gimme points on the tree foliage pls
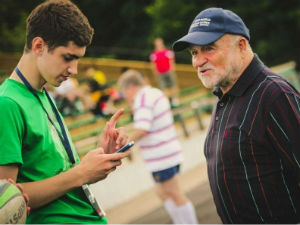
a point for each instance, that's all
(274, 25)
(126, 29)
(12, 24)
(121, 27)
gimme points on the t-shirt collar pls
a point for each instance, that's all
(142, 90)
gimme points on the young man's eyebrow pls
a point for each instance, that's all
(73, 56)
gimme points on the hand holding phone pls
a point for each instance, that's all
(125, 147)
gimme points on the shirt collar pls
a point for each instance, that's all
(142, 90)
(245, 80)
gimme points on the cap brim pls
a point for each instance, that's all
(196, 38)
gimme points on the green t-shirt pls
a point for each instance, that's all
(29, 139)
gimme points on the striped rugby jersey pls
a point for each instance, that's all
(253, 149)
(160, 147)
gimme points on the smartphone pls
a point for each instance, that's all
(126, 147)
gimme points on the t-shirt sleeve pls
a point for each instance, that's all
(143, 114)
(143, 119)
(11, 132)
(170, 54)
(152, 57)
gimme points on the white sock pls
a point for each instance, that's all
(171, 208)
(187, 214)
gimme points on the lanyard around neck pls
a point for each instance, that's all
(64, 138)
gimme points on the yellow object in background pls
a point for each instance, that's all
(100, 77)
(95, 96)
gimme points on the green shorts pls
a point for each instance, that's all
(166, 80)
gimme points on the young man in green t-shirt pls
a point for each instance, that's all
(36, 148)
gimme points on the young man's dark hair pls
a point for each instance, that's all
(58, 22)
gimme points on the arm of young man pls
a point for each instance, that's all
(95, 166)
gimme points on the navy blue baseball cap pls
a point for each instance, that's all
(210, 25)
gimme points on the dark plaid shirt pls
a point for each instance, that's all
(253, 149)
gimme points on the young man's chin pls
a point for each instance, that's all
(59, 81)
(57, 84)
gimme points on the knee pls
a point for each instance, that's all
(161, 193)
(166, 192)
(178, 197)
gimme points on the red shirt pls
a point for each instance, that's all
(162, 60)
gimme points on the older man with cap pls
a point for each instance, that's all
(252, 145)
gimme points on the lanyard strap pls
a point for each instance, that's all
(64, 139)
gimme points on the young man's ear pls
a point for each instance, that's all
(38, 45)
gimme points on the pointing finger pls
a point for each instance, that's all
(115, 117)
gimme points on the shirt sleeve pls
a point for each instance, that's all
(152, 57)
(11, 132)
(284, 129)
(170, 54)
(142, 113)
(143, 118)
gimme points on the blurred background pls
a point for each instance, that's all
(124, 34)
(126, 29)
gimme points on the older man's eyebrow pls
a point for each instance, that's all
(193, 46)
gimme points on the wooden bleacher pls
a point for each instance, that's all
(85, 128)
(195, 99)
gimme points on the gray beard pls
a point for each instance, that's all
(231, 78)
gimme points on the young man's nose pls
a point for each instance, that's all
(73, 68)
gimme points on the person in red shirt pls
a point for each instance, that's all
(163, 64)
